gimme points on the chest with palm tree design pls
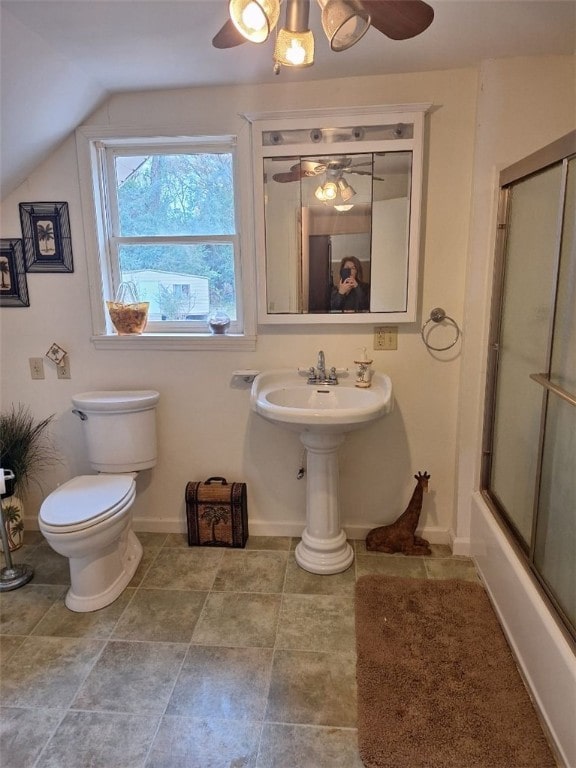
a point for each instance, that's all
(217, 513)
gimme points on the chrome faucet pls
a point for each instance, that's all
(318, 375)
(321, 365)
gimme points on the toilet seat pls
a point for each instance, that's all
(86, 501)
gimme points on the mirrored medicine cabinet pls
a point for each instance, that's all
(337, 205)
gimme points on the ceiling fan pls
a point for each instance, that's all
(332, 186)
(344, 22)
(334, 167)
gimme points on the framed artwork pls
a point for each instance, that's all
(13, 285)
(46, 235)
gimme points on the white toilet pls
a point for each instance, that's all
(87, 519)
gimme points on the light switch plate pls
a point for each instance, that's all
(386, 337)
(36, 367)
(63, 369)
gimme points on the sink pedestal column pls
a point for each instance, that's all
(323, 548)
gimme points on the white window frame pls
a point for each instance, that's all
(93, 145)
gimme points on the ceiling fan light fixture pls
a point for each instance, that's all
(347, 192)
(319, 194)
(254, 19)
(344, 22)
(330, 190)
(294, 49)
(327, 192)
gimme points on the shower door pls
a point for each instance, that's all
(529, 467)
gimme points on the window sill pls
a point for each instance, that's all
(173, 342)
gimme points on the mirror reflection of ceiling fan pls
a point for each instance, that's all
(332, 167)
(344, 23)
(332, 187)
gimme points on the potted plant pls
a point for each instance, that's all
(25, 449)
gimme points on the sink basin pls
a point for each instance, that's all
(285, 397)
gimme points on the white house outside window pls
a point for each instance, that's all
(167, 226)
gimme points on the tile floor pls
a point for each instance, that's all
(212, 658)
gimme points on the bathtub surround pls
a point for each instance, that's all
(437, 683)
(530, 628)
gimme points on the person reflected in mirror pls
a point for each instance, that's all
(351, 294)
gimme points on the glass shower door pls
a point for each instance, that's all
(529, 466)
(525, 321)
(555, 528)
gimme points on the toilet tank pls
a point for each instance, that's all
(120, 428)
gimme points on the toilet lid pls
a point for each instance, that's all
(86, 499)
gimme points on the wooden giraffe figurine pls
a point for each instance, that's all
(400, 536)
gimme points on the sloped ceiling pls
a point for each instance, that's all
(61, 58)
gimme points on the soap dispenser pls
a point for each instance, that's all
(363, 371)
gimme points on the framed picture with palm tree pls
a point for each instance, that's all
(46, 235)
(13, 284)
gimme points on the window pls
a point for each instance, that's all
(167, 226)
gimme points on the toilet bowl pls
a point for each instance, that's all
(88, 519)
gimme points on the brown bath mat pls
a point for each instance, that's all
(437, 683)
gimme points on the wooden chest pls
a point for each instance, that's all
(216, 513)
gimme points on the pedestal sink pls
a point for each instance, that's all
(321, 414)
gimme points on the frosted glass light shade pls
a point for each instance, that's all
(294, 49)
(344, 23)
(254, 19)
(330, 190)
(346, 190)
(319, 194)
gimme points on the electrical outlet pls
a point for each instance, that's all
(63, 370)
(386, 337)
(36, 367)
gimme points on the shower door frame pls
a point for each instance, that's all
(560, 151)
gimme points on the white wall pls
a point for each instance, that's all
(205, 426)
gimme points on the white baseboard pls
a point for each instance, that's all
(163, 525)
(435, 535)
(460, 545)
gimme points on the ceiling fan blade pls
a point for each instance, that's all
(227, 36)
(283, 178)
(302, 170)
(399, 19)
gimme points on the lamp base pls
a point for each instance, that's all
(15, 576)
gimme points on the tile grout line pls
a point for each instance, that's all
(269, 676)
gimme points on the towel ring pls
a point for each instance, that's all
(438, 315)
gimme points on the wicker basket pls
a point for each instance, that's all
(128, 315)
(128, 318)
